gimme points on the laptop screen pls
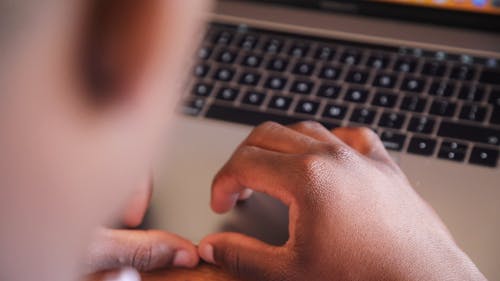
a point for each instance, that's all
(476, 14)
(475, 6)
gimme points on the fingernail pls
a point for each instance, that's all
(207, 253)
(127, 274)
(182, 259)
(245, 194)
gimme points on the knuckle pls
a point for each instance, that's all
(366, 134)
(267, 126)
(310, 165)
(247, 150)
(261, 130)
(231, 260)
(339, 153)
(311, 125)
(142, 256)
(244, 270)
(243, 153)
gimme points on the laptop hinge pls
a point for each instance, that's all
(339, 6)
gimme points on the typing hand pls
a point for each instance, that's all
(353, 214)
(142, 250)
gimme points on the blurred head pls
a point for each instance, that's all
(87, 91)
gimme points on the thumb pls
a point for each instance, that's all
(244, 257)
(142, 250)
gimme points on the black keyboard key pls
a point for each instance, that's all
(280, 103)
(463, 72)
(250, 78)
(202, 89)
(303, 68)
(452, 151)
(277, 64)
(393, 141)
(248, 42)
(454, 146)
(405, 65)
(248, 117)
(329, 125)
(385, 80)
(363, 116)
(443, 108)
(335, 111)
(357, 76)
(276, 83)
(495, 98)
(252, 61)
(442, 89)
(330, 72)
(473, 112)
(227, 94)
(378, 61)
(224, 74)
(307, 107)
(392, 120)
(351, 57)
(415, 85)
(495, 116)
(303, 87)
(273, 46)
(204, 53)
(201, 70)
(434, 69)
(422, 146)
(325, 53)
(414, 103)
(484, 157)
(299, 50)
(422, 125)
(329, 91)
(490, 76)
(357, 95)
(223, 38)
(194, 107)
(227, 56)
(383, 99)
(472, 93)
(253, 98)
(469, 133)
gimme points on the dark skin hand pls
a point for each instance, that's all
(353, 214)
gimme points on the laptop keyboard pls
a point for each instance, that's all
(423, 102)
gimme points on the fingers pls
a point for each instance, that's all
(293, 139)
(143, 250)
(275, 137)
(315, 130)
(138, 206)
(251, 168)
(244, 257)
(365, 141)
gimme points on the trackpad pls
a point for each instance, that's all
(261, 217)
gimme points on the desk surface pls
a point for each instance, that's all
(203, 272)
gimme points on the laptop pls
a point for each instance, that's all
(425, 75)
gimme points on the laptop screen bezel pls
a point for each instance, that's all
(436, 16)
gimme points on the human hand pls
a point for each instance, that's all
(144, 250)
(353, 214)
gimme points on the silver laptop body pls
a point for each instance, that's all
(466, 196)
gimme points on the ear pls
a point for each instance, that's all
(119, 39)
